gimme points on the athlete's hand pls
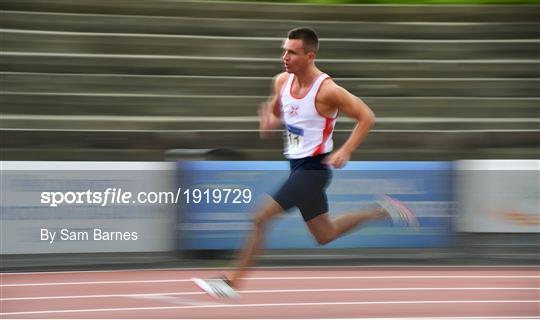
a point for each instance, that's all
(264, 121)
(338, 158)
(267, 121)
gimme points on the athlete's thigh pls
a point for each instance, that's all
(291, 191)
(268, 210)
(301, 186)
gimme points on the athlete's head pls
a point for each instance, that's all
(309, 38)
(300, 49)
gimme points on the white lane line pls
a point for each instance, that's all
(170, 96)
(165, 76)
(194, 293)
(99, 118)
(274, 21)
(281, 267)
(274, 39)
(274, 278)
(220, 97)
(250, 119)
(257, 130)
(174, 300)
(250, 59)
(448, 318)
(267, 305)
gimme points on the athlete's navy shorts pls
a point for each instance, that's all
(306, 187)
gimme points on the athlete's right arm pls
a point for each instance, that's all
(270, 111)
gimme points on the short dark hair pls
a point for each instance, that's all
(308, 36)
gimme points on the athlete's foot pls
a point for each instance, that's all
(217, 288)
(398, 213)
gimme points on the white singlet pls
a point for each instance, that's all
(307, 133)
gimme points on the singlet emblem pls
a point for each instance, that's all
(293, 111)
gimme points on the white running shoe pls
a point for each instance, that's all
(399, 214)
(218, 288)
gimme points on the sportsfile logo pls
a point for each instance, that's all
(103, 198)
(117, 196)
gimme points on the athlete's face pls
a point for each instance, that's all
(295, 58)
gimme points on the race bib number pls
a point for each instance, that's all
(294, 138)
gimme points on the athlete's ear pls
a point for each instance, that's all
(311, 55)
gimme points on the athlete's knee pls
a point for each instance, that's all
(261, 219)
(324, 238)
(266, 214)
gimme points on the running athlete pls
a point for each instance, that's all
(306, 101)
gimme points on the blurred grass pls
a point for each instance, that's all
(403, 2)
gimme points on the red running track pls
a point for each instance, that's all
(330, 292)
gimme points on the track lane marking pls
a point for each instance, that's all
(266, 305)
(144, 295)
(273, 278)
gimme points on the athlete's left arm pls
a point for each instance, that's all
(355, 108)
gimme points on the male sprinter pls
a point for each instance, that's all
(307, 102)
